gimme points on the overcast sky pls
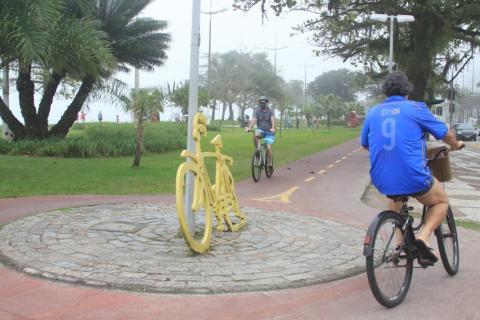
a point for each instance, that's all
(231, 30)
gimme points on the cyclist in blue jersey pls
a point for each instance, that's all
(393, 133)
(264, 118)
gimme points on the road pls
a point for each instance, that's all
(328, 185)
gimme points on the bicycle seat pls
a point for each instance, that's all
(399, 198)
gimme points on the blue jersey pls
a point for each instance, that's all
(394, 134)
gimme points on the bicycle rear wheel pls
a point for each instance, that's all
(389, 268)
(199, 239)
(256, 166)
(269, 168)
(447, 239)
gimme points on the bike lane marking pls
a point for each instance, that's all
(283, 197)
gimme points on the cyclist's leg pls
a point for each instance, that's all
(269, 139)
(396, 206)
(257, 136)
(269, 154)
(437, 201)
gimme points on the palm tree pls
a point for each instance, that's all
(331, 106)
(134, 42)
(82, 41)
(45, 43)
(142, 103)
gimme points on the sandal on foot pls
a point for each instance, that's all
(426, 253)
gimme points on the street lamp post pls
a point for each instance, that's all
(384, 18)
(210, 13)
(192, 105)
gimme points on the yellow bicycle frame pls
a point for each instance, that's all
(220, 197)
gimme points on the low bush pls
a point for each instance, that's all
(102, 140)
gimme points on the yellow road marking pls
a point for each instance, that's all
(322, 171)
(331, 166)
(309, 179)
(344, 157)
(283, 197)
(338, 161)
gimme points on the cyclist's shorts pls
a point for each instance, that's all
(267, 135)
(398, 197)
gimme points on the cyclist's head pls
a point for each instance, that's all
(263, 101)
(396, 84)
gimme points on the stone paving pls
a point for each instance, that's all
(139, 247)
(464, 189)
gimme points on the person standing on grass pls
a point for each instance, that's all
(100, 116)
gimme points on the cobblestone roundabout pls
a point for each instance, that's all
(139, 247)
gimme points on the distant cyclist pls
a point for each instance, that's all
(264, 118)
(393, 134)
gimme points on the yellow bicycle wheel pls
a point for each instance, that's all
(199, 239)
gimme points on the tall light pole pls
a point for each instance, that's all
(192, 105)
(384, 18)
(210, 13)
(6, 96)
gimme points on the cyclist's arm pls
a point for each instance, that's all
(364, 135)
(273, 123)
(252, 123)
(452, 141)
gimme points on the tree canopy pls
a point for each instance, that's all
(241, 78)
(342, 83)
(443, 35)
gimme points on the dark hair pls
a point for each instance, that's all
(396, 84)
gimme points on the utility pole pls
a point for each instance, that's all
(275, 49)
(305, 83)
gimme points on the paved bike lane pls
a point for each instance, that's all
(333, 193)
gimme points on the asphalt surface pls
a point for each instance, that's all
(327, 186)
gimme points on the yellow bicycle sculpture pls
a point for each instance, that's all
(219, 197)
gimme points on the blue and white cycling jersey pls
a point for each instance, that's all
(394, 134)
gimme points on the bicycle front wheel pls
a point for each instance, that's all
(447, 239)
(390, 267)
(256, 166)
(199, 239)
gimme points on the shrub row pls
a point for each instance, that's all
(102, 140)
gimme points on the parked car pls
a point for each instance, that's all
(465, 131)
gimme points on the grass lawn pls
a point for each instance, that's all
(26, 176)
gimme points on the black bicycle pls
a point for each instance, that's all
(390, 250)
(259, 161)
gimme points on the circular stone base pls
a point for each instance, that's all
(139, 247)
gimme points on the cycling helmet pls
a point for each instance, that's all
(263, 99)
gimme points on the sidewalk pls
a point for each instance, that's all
(331, 198)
